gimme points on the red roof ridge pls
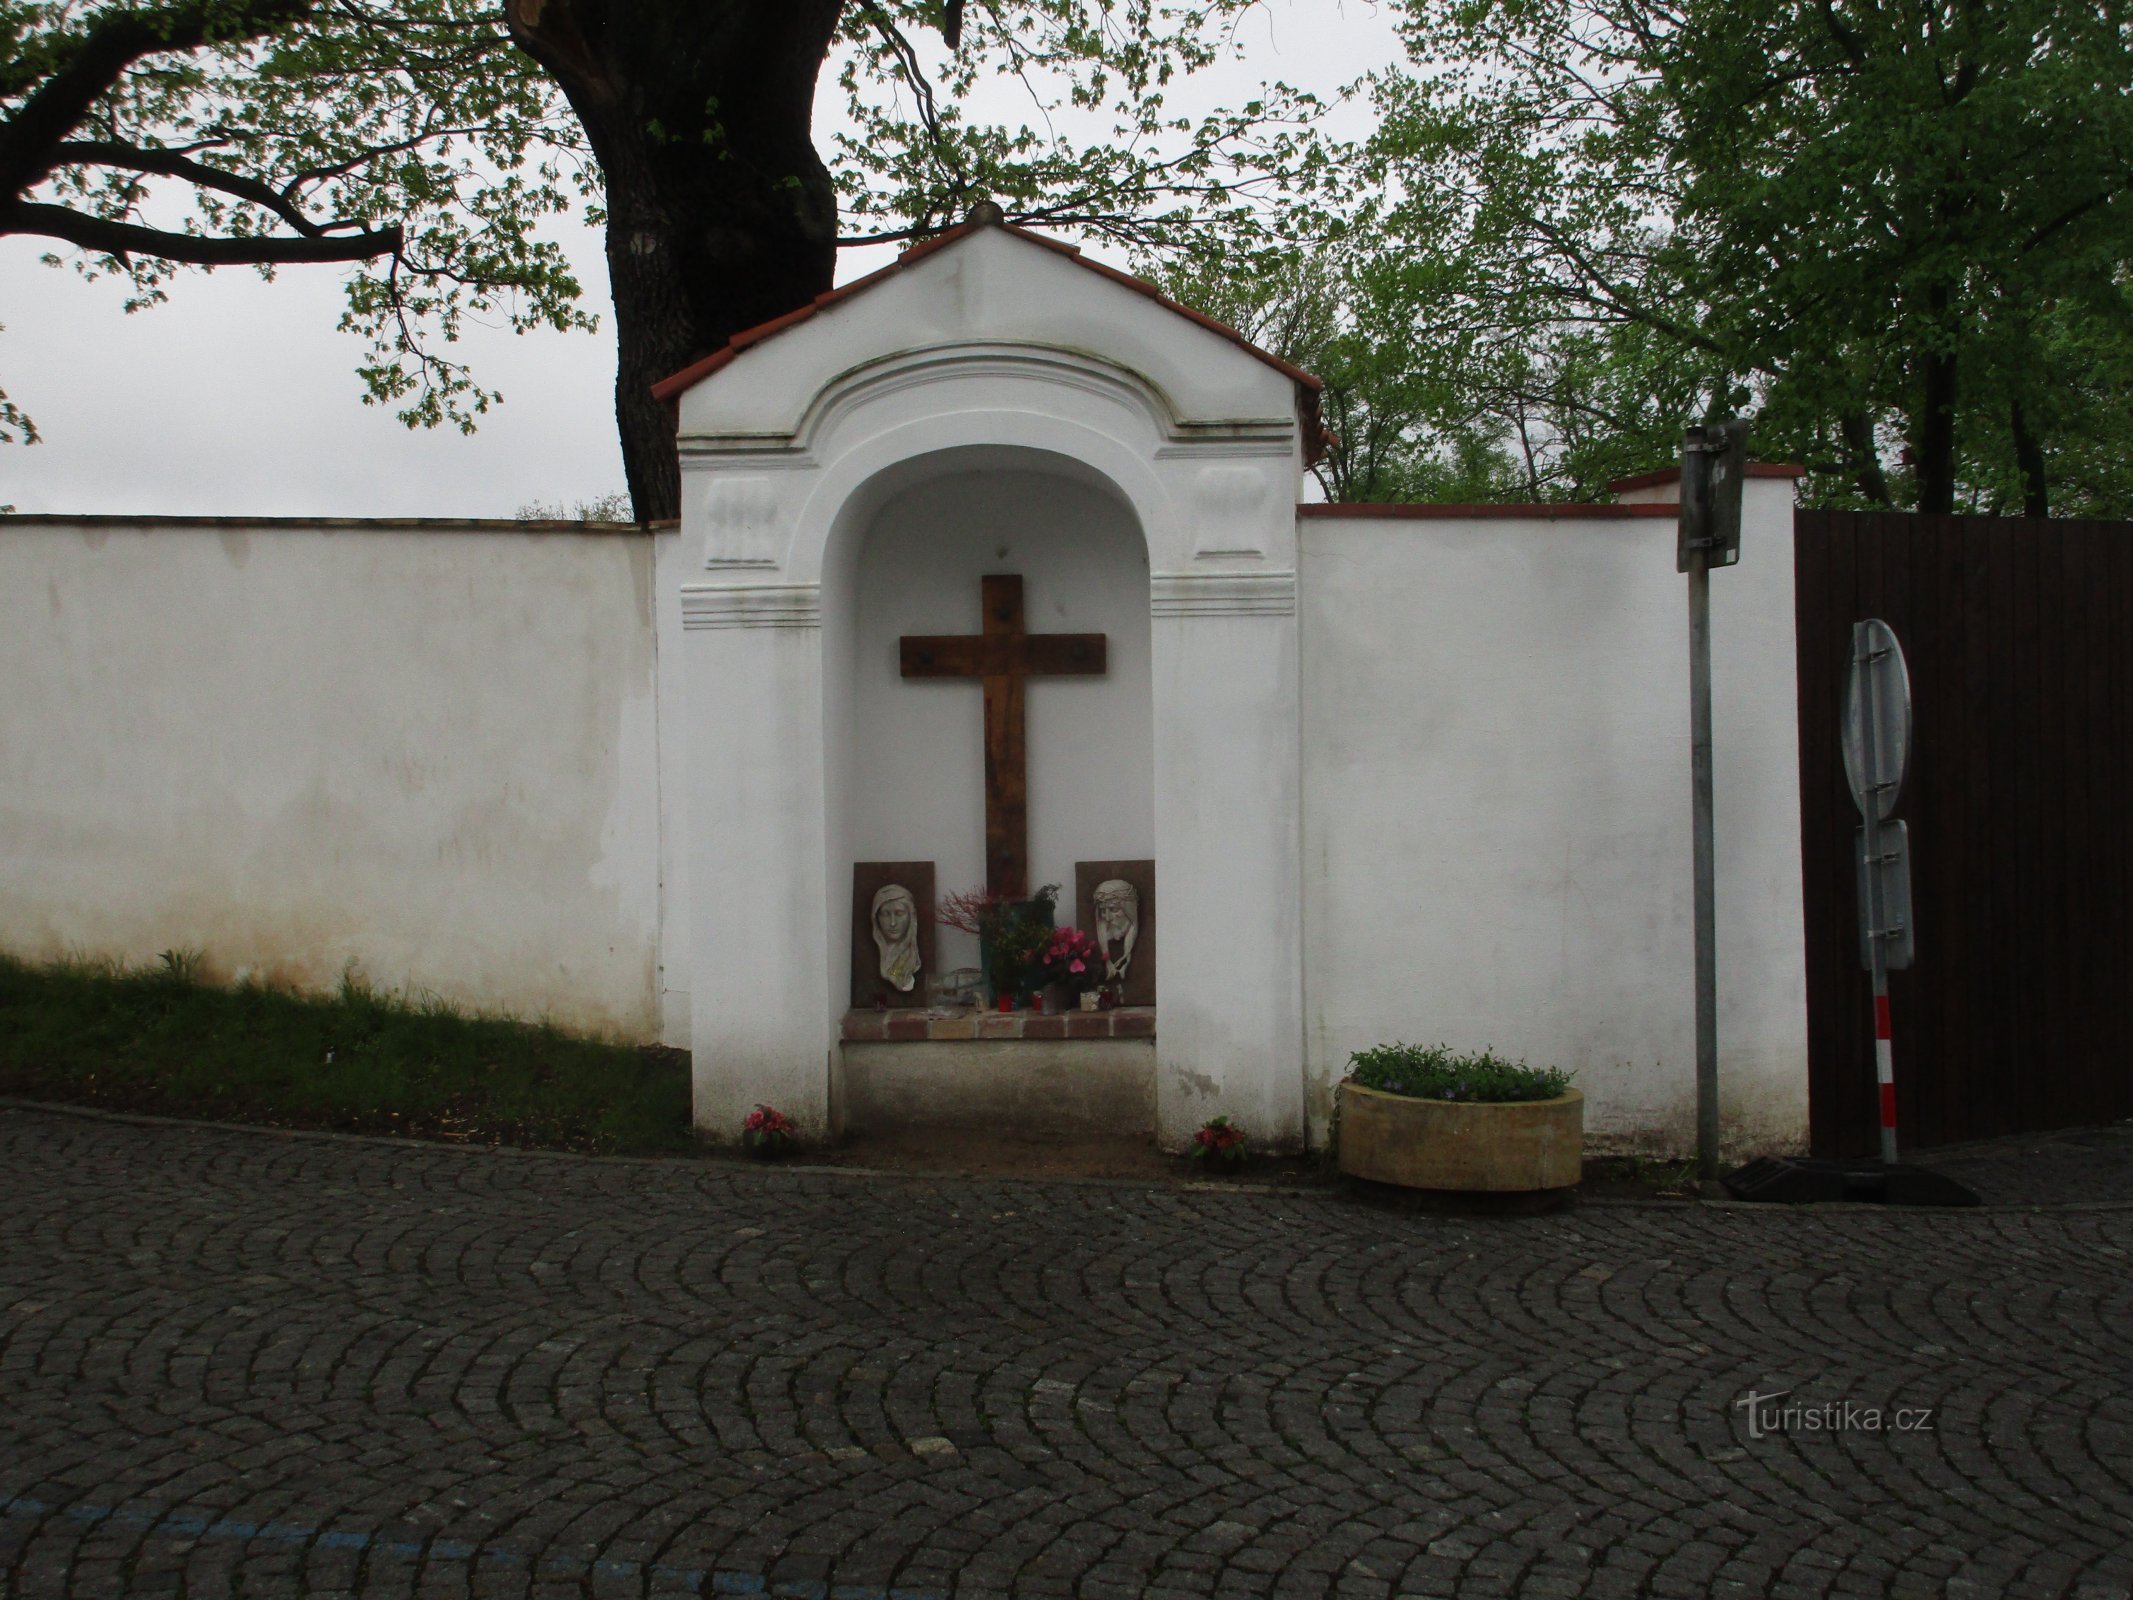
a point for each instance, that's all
(1316, 437)
(1412, 511)
(1652, 480)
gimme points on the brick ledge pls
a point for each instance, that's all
(918, 1027)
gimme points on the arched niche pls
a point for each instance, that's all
(904, 757)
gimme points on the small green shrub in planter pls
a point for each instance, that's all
(1427, 1118)
(1434, 1072)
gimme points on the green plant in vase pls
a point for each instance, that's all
(1430, 1117)
(1013, 931)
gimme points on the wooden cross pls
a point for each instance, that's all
(1003, 655)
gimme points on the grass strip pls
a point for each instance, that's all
(163, 1041)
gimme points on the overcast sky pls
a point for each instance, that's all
(238, 398)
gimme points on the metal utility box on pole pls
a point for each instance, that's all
(1714, 469)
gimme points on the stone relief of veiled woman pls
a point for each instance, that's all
(895, 923)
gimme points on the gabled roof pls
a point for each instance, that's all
(1307, 386)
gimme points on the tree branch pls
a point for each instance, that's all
(2066, 219)
(1846, 38)
(124, 239)
(913, 72)
(171, 164)
(114, 43)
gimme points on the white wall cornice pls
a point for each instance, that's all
(758, 605)
(1223, 594)
(906, 371)
(1253, 441)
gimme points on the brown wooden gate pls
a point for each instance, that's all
(2019, 635)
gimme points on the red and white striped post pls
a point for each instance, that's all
(1885, 1062)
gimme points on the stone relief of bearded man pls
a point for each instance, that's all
(1118, 925)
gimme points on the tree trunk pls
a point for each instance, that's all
(1935, 450)
(2029, 457)
(720, 214)
(1857, 429)
(1933, 424)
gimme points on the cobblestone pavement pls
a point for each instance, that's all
(240, 1363)
(2073, 1166)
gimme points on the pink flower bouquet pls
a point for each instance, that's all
(768, 1132)
(1074, 960)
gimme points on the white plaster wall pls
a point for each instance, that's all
(1496, 810)
(917, 772)
(672, 799)
(427, 751)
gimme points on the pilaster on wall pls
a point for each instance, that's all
(760, 995)
(1228, 840)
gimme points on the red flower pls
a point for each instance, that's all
(1218, 1137)
(769, 1121)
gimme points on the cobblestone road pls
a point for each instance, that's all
(238, 1363)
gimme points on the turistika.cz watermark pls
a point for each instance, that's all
(1780, 1413)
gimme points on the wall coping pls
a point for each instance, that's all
(1756, 469)
(59, 519)
(1568, 511)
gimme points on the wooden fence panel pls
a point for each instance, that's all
(2019, 635)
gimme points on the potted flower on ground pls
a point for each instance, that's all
(1430, 1118)
(768, 1132)
(1219, 1145)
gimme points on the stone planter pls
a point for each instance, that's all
(1458, 1144)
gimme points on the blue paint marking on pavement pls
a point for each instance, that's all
(703, 1580)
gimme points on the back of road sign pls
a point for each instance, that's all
(1884, 875)
(1877, 719)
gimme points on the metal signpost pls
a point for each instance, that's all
(1877, 749)
(1714, 463)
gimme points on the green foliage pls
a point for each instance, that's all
(1097, 150)
(1405, 424)
(410, 140)
(1436, 1073)
(611, 507)
(1438, 388)
(415, 143)
(1023, 933)
(1900, 231)
(164, 1040)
